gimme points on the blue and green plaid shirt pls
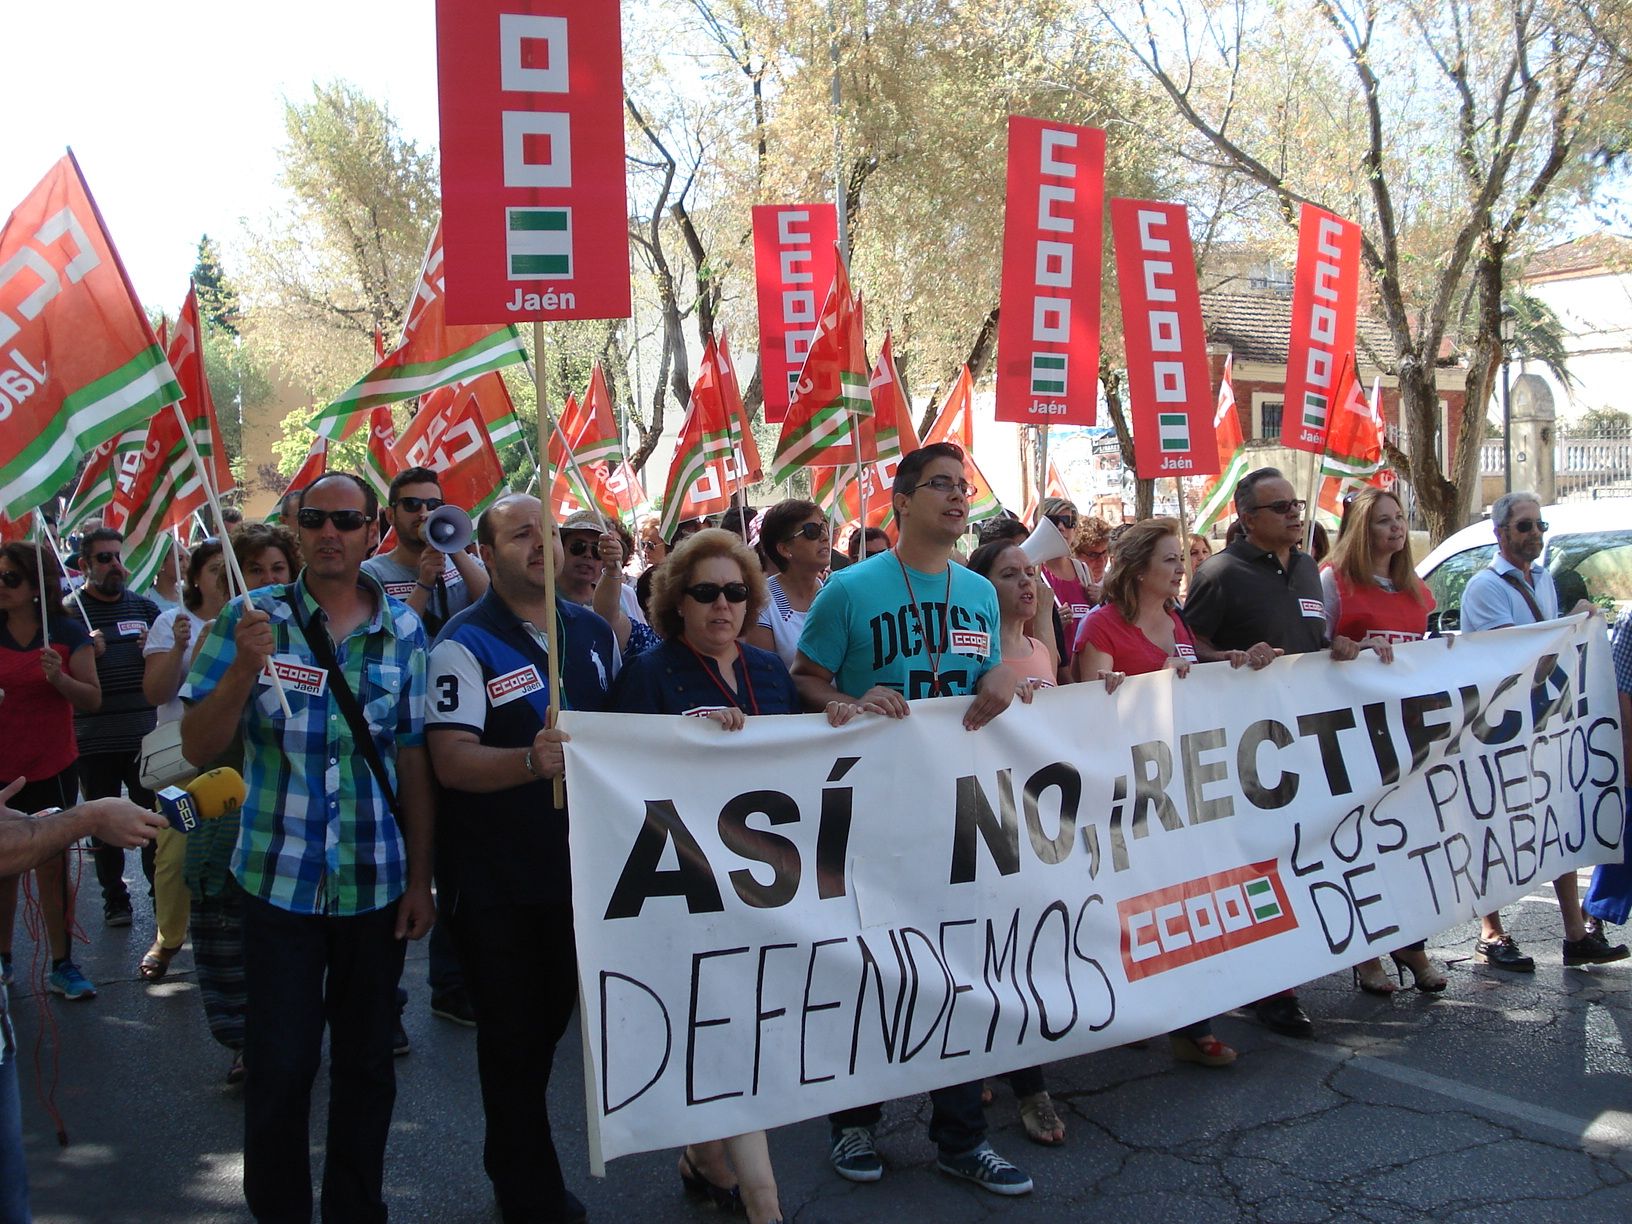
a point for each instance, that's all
(317, 835)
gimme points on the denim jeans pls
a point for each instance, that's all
(957, 1121)
(13, 1173)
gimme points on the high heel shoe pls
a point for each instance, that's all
(699, 1187)
(1421, 977)
(1370, 978)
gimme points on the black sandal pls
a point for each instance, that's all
(157, 962)
(699, 1187)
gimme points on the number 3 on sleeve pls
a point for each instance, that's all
(447, 687)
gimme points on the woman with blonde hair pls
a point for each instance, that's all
(1374, 597)
(1073, 587)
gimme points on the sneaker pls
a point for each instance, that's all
(1502, 953)
(67, 981)
(987, 1170)
(399, 1043)
(1281, 1014)
(235, 1073)
(854, 1157)
(116, 913)
(1592, 949)
(454, 1004)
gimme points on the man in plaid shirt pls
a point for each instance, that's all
(336, 870)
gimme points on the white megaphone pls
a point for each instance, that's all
(447, 529)
(1045, 543)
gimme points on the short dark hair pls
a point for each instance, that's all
(252, 539)
(96, 536)
(232, 515)
(192, 595)
(408, 476)
(371, 500)
(1248, 485)
(854, 546)
(779, 523)
(1004, 528)
(912, 467)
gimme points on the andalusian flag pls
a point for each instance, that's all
(832, 388)
(1220, 490)
(736, 414)
(956, 424)
(449, 436)
(699, 474)
(79, 362)
(94, 491)
(311, 467)
(886, 437)
(1354, 444)
(380, 465)
(431, 354)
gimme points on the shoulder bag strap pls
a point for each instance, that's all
(317, 638)
(1523, 588)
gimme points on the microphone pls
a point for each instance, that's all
(220, 792)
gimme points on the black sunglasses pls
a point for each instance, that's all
(415, 504)
(1065, 522)
(1287, 505)
(810, 531)
(12, 579)
(1525, 526)
(708, 592)
(312, 519)
(578, 547)
(105, 558)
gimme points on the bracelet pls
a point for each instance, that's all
(527, 760)
(424, 586)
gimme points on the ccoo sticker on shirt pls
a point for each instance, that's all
(703, 711)
(513, 685)
(130, 628)
(971, 642)
(302, 677)
(1313, 607)
(399, 590)
(1186, 651)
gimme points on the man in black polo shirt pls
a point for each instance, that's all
(502, 843)
(110, 740)
(1262, 595)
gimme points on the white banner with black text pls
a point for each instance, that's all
(788, 920)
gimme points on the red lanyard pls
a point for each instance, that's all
(747, 680)
(923, 624)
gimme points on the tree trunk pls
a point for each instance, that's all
(1144, 491)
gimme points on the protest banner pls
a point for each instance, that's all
(793, 919)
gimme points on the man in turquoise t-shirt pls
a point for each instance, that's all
(901, 625)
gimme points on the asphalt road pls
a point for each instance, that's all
(1506, 1098)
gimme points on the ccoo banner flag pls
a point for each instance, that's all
(1169, 383)
(794, 262)
(1325, 295)
(1087, 870)
(1048, 326)
(534, 210)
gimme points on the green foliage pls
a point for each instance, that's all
(296, 441)
(217, 296)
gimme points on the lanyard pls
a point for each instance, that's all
(935, 656)
(747, 680)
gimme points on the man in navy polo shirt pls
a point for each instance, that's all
(502, 844)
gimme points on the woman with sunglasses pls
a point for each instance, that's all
(702, 596)
(1075, 592)
(171, 643)
(793, 535)
(42, 687)
(1374, 597)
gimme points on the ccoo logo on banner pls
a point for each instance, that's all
(791, 919)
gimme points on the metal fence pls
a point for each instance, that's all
(1587, 465)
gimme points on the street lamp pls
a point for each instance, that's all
(1509, 327)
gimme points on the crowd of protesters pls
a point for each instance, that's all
(412, 710)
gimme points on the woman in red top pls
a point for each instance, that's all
(1374, 597)
(39, 691)
(1136, 630)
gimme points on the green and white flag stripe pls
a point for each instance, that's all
(828, 427)
(90, 416)
(506, 429)
(1222, 492)
(1173, 430)
(1343, 465)
(387, 386)
(710, 446)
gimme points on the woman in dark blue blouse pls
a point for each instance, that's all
(702, 596)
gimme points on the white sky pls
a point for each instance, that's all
(175, 109)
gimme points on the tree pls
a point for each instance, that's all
(1450, 157)
(217, 296)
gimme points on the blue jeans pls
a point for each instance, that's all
(957, 1119)
(13, 1173)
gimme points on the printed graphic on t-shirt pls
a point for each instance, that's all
(897, 635)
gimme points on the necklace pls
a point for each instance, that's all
(923, 622)
(747, 680)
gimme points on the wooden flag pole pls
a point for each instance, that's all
(552, 636)
(1184, 523)
(1310, 501)
(39, 559)
(56, 547)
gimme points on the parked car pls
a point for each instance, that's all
(1588, 550)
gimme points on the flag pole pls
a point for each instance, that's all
(566, 445)
(39, 560)
(56, 547)
(558, 791)
(1184, 523)
(234, 573)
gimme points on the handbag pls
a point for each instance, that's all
(160, 761)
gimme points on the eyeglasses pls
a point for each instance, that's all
(312, 519)
(651, 545)
(1094, 554)
(579, 546)
(810, 531)
(105, 558)
(1292, 505)
(1525, 526)
(708, 592)
(1065, 522)
(415, 504)
(11, 579)
(945, 484)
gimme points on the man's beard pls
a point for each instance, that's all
(111, 584)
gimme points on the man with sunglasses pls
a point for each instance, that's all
(592, 577)
(1262, 595)
(334, 848)
(905, 624)
(1516, 589)
(506, 885)
(110, 740)
(434, 584)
